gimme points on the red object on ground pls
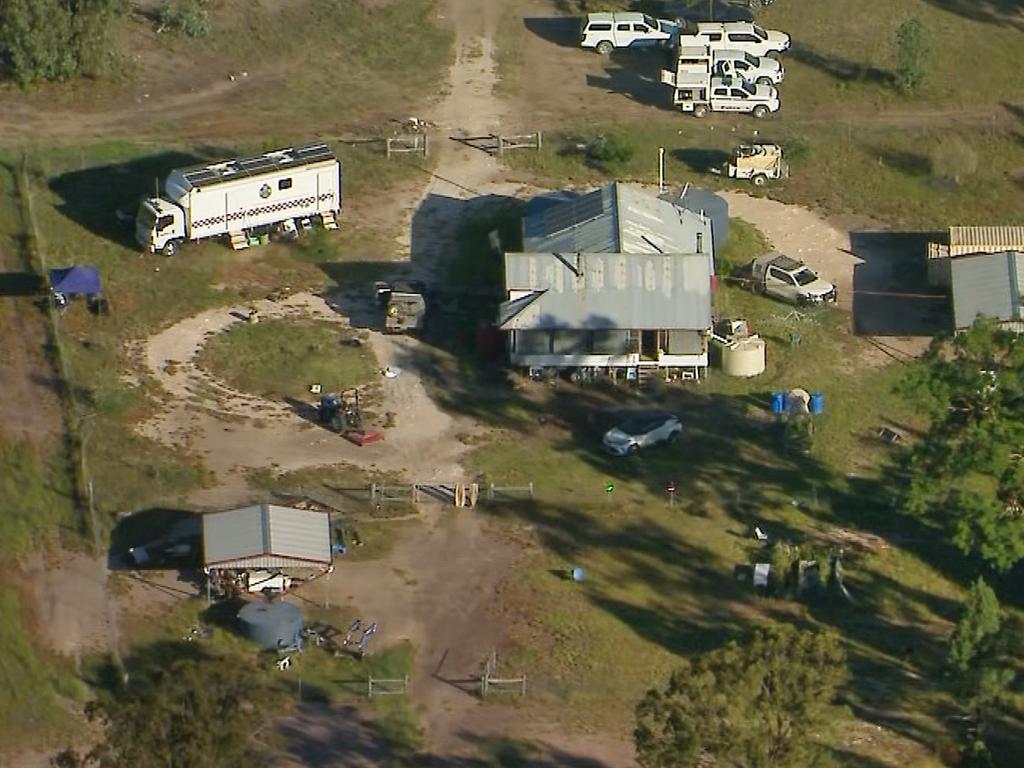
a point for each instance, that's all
(362, 438)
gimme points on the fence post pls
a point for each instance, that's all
(387, 147)
(531, 489)
(490, 493)
(415, 493)
(501, 145)
(369, 686)
(540, 141)
(425, 149)
(373, 492)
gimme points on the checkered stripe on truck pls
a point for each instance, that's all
(302, 202)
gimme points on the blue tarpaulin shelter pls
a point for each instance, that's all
(75, 281)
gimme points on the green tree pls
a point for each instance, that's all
(57, 39)
(751, 705)
(912, 51)
(966, 473)
(194, 713)
(981, 620)
(185, 17)
(37, 39)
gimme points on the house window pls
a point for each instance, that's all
(682, 342)
(610, 342)
(284, 184)
(533, 342)
(569, 342)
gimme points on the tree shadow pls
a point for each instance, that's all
(909, 163)
(104, 199)
(891, 292)
(1000, 12)
(841, 69)
(156, 529)
(701, 160)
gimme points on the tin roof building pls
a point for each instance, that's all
(265, 536)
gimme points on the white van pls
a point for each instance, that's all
(604, 32)
(736, 36)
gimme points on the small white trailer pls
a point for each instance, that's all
(243, 198)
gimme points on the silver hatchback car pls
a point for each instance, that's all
(642, 430)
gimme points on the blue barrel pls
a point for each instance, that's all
(778, 402)
(817, 404)
(577, 574)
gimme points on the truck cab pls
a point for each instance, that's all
(604, 32)
(790, 280)
(160, 226)
(404, 305)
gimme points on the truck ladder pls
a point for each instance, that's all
(328, 219)
(239, 241)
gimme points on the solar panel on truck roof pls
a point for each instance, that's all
(290, 157)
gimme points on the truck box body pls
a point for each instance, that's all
(239, 195)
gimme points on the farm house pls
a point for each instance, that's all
(616, 282)
(988, 285)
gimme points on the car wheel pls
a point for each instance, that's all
(674, 436)
(171, 247)
(765, 81)
(760, 111)
(605, 48)
(759, 180)
(700, 110)
(633, 448)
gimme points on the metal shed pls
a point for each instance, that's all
(266, 536)
(988, 285)
(967, 241)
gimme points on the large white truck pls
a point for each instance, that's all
(703, 93)
(696, 60)
(243, 198)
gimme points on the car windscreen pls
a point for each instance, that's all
(748, 87)
(642, 423)
(760, 33)
(751, 59)
(805, 277)
(651, 22)
(146, 217)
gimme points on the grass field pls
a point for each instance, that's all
(279, 359)
(864, 148)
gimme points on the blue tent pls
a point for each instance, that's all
(75, 281)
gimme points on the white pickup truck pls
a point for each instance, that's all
(604, 32)
(700, 94)
(735, 36)
(761, 70)
(790, 280)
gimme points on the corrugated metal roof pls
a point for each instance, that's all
(614, 219)
(607, 291)
(989, 284)
(266, 535)
(211, 173)
(963, 240)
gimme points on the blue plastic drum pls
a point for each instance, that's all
(817, 404)
(778, 402)
(577, 574)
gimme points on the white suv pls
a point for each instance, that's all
(737, 36)
(605, 32)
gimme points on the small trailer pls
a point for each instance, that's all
(245, 198)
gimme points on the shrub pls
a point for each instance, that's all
(911, 56)
(190, 18)
(953, 158)
(610, 152)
